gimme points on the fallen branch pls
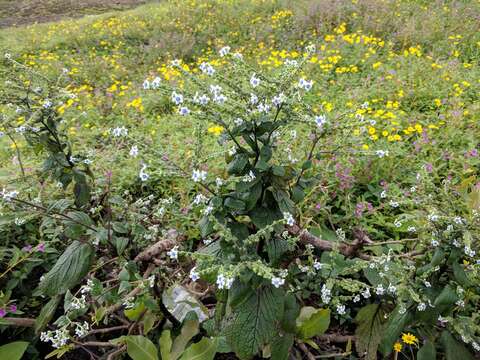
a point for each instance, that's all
(336, 338)
(25, 322)
(159, 247)
(349, 250)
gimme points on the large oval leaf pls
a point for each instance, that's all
(141, 348)
(205, 349)
(69, 270)
(13, 351)
(312, 322)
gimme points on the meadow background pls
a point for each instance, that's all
(410, 67)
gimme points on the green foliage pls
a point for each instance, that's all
(140, 348)
(70, 268)
(312, 322)
(14, 350)
(370, 330)
(252, 323)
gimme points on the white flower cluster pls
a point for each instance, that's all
(249, 177)
(305, 84)
(199, 175)
(154, 84)
(206, 68)
(8, 195)
(81, 329)
(78, 303)
(194, 275)
(86, 289)
(119, 131)
(288, 219)
(326, 294)
(224, 282)
(278, 281)
(58, 338)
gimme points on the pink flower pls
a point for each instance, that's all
(13, 308)
(41, 247)
(2, 313)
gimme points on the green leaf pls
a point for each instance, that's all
(280, 347)
(395, 325)
(312, 322)
(234, 204)
(454, 350)
(13, 350)
(205, 349)
(427, 352)
(69, 270)
(276, 247)
(165, 343)
(46, 314)
(141, 348)
(445, 299)
(370, 320)
(82, 193)
(206, 226)
(263, 217)
(189, 330)
(237, 165)
(291, 312)
(252, 323)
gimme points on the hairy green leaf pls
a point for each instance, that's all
(312, 322)
(141, 348)
(205, 349)
(13, 350)
(370, 320)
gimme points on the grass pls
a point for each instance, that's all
(415, 62)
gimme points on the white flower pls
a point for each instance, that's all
(249, 177)
(224, 51)
(460, 303)
(427, 284)
(177, 98)
(366, 293)
(194, 275)
(379, 290)
(219, 181)
(320, 120)
(47, 104)
(254, 81)
(220, 99)
(238, 56)
(381, 153)
(468, 251)
(394, 204)
(232, 151)
(7, 56)
(253, 99)
(278, 281)
(288, 219)
(383, 194)
(155, 84)
(432, 217)
(356, 298)
(151, 281)
(263, 107)
(173, 253)
(391, 289)
(341, 309)
(143, 175)
(119, 131)
(133, 151)
(77, 303)
(198, 199)
(411, 229)
(8, 195)
(421, 307)
(206, 68)
(310, 49)
(305, 84)
(176, 62)
(279, 99)
(183, 110)
(397, 223)
(199, 175)
(458, 220)
(207, 210)
(203, 100)
(215, 89)
(81, 329)
(238, 121)
(317, 265)
(224, 282)
(146, 85)
(435, 243)
(326, 294)
(292, 63)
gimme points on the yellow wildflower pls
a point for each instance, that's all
(397, 347)
(216, 130)
(409, 339)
